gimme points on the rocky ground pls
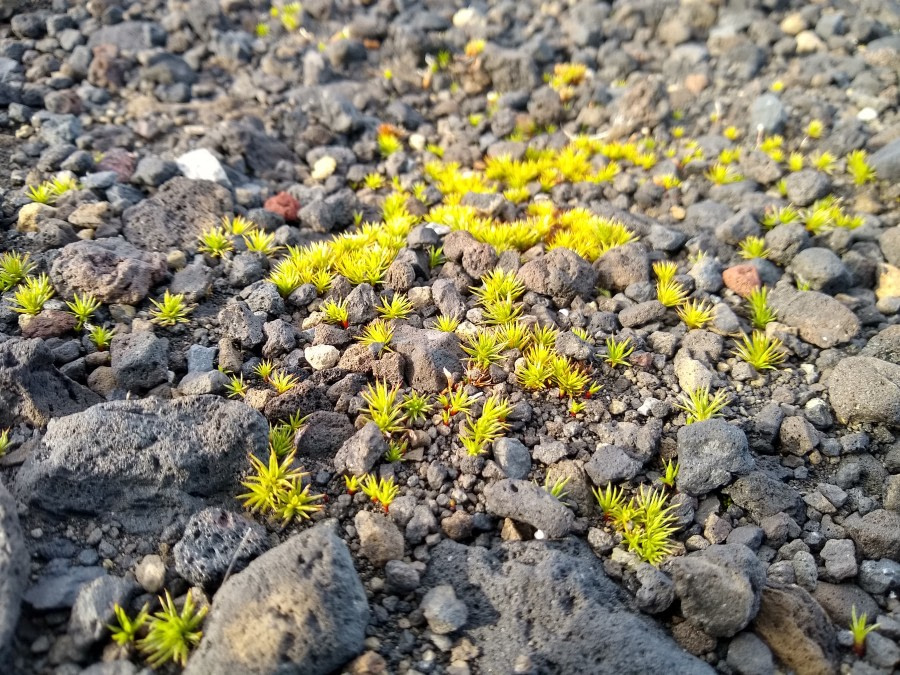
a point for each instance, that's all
(404, 151)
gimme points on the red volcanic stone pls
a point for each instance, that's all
(284, 205)
(47, 324)
(742, 279)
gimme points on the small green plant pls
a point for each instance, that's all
(571, 378)
(396, 451)
(435, 256)
(651, 526)
(823, 161)
(558, 487)
(380, 491)
(83, 308)
(42, 194)
(14, 267)
(501, 312)
(453, 402)
(445, 323)
(374, 181)
(618, 351)
(670, 293)
(665, 271)
(283, 382)
(388, 143)
(277, 488)
(515, 335)
(352, 483)
(286, 278)
(172, 635)
(537, 369)
(753, 247)
(761, 313)
(859, 630)
(723, 174)
(695, 313)
(262, 29)
(485, 348)
(124, 631)
(264, 370)
(237, 225)
(416, 407)
(700, 405)
(101, 337)
(171, 310)
(5, 443)
(379, 332)
(476, 435)
(336, 312)
(610, 500)
(281, 439)
(576, 407)
(236, 387)
(216, 242)
(815, 128)
(802, 284)
(760, 351)
(498, 285)
(544, 336)
(399, 307)
(297, 501)
(859, 168)
(259, 241)
(383, 407)
(670, 473)
(31, 296)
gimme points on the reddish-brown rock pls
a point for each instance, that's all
(284, 205)
(742, 279)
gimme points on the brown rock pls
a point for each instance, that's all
(797, 630)
(369, 663)
(742, 279)
(284, 205)
(838, 599)
(118, 160)
(888, 282)
(380, 540)
(692, 639)
(49, 323)
(696, 82)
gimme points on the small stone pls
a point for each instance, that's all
(742, 279)
(201, 164)
(322, 357)
(444, 612)
(840, 558)
(323, 168)
(151, 573)
(379, 538)
(513, 457)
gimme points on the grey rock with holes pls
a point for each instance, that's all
(710, 453)
(301, 603)
(876, 534)
(112, 270)
(32, 389)
(819, 318)
(242, 324)
(822, 269)
(359, 453)
(214, 540)
(719, 587)
(428, 354)
(553, 599)
(840, 558)
(140, 361)
(612, 464)
(561, 274)
(137, 456)
(865, 389)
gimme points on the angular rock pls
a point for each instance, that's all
(553, 601)
(444, 612)
(748, 655)
(176, 215)
(764, 496)
(58, 587)
(93, 608)
(709, 454)
(241, 324)
(112, 270)
(213, 541)
(428, 353)
(299, 608)
(32, 389)
(622, 266)
(140, 361)
(512, 457)
(821, 319)
(359, 453)
(865, 389)
(876, 534)
(612, 464)
(796, 629)
(379, 538)
(528, 503)
(322, 434)
(135, 455)
(561, 274)
(719, 588)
